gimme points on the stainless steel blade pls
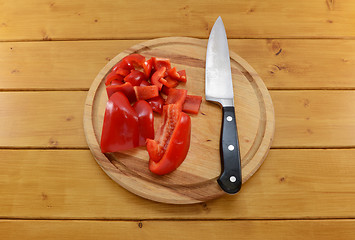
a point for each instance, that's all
(218, 85)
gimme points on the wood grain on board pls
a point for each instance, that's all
(90, 19)
(281, 63)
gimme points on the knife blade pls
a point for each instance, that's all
(219, 89)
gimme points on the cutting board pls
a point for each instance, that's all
(195, 180)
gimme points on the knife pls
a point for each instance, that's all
(219, 89)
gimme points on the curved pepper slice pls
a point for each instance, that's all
(135, 77)
(120, 128)
(145, 121)
(176, 149)
(176, 96)
(126, 88)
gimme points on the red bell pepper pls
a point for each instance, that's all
(123, 72)
(147, 66)
(112, 76)
(135, 77)
(170, 148)
(157, 75)
(145, 121)
(143, 93)
(173, 73)
(176, 96)
(120, 128)
(125, 88)
(157, 104)
(161, 62)
(144, 83)
(182, 74)
(169, 82)
(192, 104)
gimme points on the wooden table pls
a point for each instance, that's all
(52, 188)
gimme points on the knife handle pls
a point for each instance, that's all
(230, 179)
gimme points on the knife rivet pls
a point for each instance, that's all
(232, 179)
(229, 118)
(230, 147)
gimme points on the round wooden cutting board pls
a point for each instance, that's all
(195, 180)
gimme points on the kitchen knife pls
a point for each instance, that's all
(219, 89)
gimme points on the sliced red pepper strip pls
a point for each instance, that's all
(125, 88)
(143, 93)
(145, 121)
(182, 74)
(120, 127)
(173, 73)
(112, 76)
(176, 96)
(135, 77)
(157, 104)
(147, 66)
(169, 82)
(192, 104)
(158, 75)
(157, 147)
(176, 150)
(161, 62)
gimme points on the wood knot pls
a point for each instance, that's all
(282, 179)
(205, 207)
(69, 118)
(140, 224)
(53, 142)
(44, 196)
(15, 71)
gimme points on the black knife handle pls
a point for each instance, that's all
(230, 179)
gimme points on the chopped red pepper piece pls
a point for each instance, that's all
(116, 82)
(173, 73)
(145, 121)
(161, 62)
(112, 76)
(165, 90)
(158, 75)
(192, 104)
(168, 155)
(125, 88)
(147, 66)
(143, 93)
(157, 104)
(135, 77)
(136, 60)
(120, 128)
(176, 96)
(169, 82)
(182, 74)
(144, 83)
(123, 72)
(123, 64)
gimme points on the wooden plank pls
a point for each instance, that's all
(69, 184)
(314, 118)
(281, 63)
(42, 119)
(87, 230)
(54, 119)
(51, 20)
